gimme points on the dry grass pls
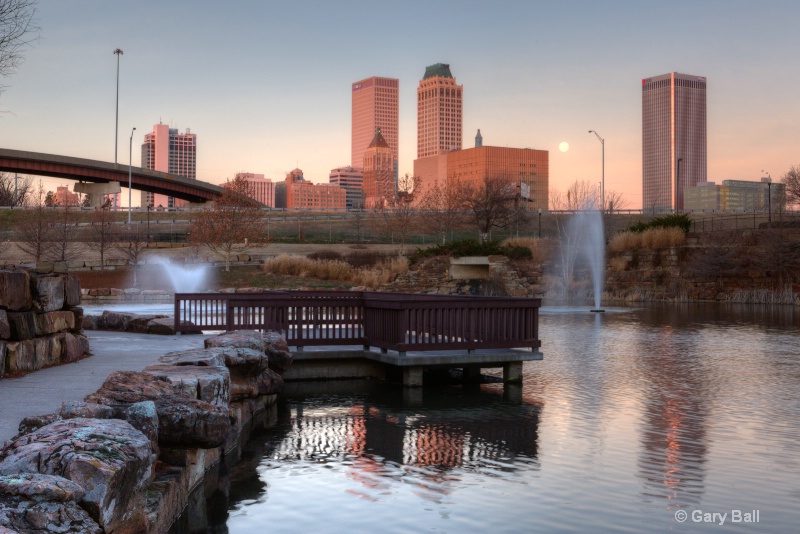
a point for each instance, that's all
(380, 273)
(617, 264)
(653, 238)
(541, 249)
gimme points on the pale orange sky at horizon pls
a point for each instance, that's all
(266, 86)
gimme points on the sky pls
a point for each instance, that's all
(266, 85)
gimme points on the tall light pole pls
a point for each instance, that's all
(117, 52)
(769, 196)
(603, 175)
(130, 174)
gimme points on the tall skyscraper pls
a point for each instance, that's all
(439, 112)
(673, 139)
(375, 105)
(166, 150)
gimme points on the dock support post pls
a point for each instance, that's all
(412, 377)
(471, 373)
(512, 372)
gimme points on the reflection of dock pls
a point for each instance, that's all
(352, 334)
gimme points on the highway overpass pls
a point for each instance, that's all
(89, 170)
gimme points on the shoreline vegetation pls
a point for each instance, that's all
(749, 259)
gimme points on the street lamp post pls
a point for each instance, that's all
(117, 52)
(769, 197)
(540, 224)
(130, 174)
(603, 175)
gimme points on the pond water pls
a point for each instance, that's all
(636, 419)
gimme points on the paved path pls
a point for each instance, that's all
(43, 391)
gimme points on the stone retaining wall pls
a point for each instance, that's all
(40, 320)
(127, 459)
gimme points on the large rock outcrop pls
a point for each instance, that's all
(109, 459)
(32, 502)
(182, 421)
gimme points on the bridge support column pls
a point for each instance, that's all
(412, 377)
(512, 372)
(97, 191)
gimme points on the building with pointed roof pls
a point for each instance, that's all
(379, 169)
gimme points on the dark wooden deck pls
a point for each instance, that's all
(412, 331)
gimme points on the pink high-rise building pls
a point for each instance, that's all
(375, 105)
(260, 189)
(673, 139)
(439, 112)
(166, 150)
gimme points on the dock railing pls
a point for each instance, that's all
(390, 321)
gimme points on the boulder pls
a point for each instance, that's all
(23, 325)
(279, 360)
(73, 346)
(182, 422)
(54, 321)
(77, 313)
(111, 320)
(141, 415)
(21, 357)
(32, 423)
(270, 383)
(48, 350)
(75, 409)
(108, 458)
(15, 291)
(275, 341)
(209, 384)
(198, 357)
(139, 323)
(32, 502)
(72, 290)
(48, 291)
(245, 339)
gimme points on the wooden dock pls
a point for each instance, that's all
(347, 334)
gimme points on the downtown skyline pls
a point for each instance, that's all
(267, 86)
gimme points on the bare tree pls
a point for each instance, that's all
(400, 219)
(441, 209)
(35, 232)
(65, 244)
(131, 242)
(791, 180)
(491, 203)
(232, 224)
(17, 30)
(14, 190)
(101, 232)
(615, 201)
(359, 216)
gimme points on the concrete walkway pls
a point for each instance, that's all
(42, 392)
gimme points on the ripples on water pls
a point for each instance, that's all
(632, 416)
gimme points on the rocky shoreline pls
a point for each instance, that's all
(127, 458)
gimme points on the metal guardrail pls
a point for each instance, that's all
(390, 321)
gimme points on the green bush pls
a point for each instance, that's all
(681, 221)
(471, 247)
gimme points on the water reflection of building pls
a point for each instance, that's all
(373, 439)
(673, 439)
